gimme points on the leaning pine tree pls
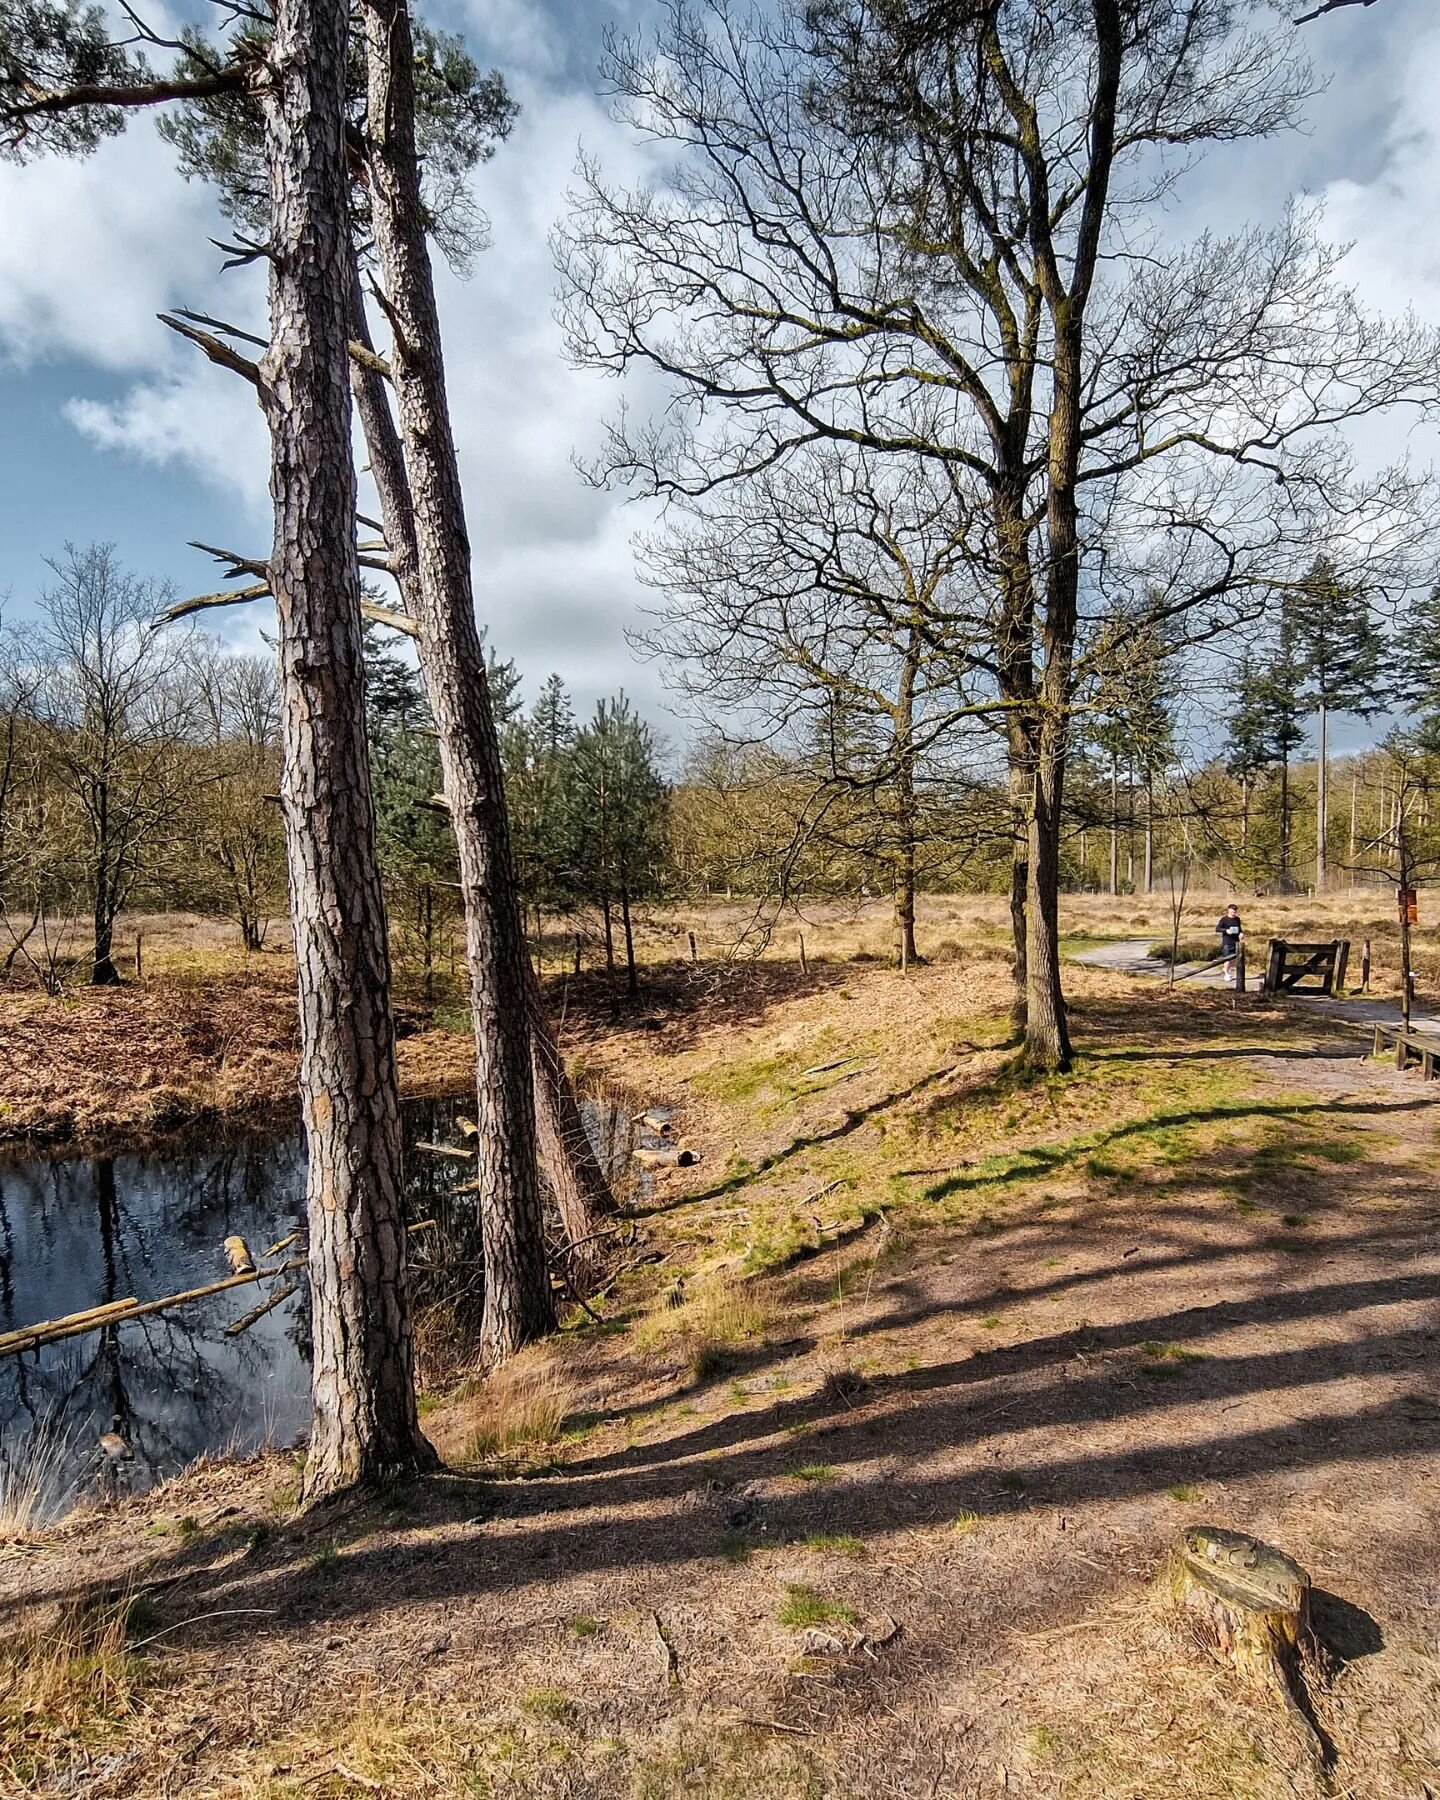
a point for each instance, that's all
(64, 87)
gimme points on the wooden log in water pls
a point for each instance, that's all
(90, 1319)
(238, 1252)
(121, 1312)
(256, 1313)
(1248, 1604)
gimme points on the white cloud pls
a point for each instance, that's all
(92, 250)
(1389, 219)
(201, 416)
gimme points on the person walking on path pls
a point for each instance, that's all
(1230, 931)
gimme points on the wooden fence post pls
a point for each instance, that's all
(1342, 963)
(577, 952)
(694, 951)
(804, 966)
(139, 957)
(1365, 968)
(1240, 967)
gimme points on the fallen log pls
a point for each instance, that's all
(682, 1158)
(256, 1313)
(1248, 1605)
(450, 1150)
(120, 1312)
(91, 1318)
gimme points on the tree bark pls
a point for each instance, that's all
(365, 1424)
(518, 1301)
(632, 979)
(576, 1176)
(1322, 805)
(104, 972)
(578, 1181)
(905, 952)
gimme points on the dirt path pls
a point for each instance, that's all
(1132, 957)
(897, 1534)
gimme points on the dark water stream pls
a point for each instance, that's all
(79, 1231)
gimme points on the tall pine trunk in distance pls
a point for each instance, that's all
(1322, 806)
(577, 1178)
(906, 808)
(632, 976)
(365, 1426)
(518, 1302)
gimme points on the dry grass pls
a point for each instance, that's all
(965, 1399)
(32, 1469)
(707, 1328)
(521, 1407)
(66, 1689)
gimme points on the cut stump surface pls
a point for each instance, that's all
(1249, 1605)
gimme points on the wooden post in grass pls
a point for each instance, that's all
(1240, 967)
(139, 955)
(577, 952)
(694, 948)
(804, 966)
(1365, 968)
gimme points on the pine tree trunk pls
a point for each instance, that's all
(518, 1301)
(632, 981)
(578, 1181)
(1149, 835)
(571, 1164)
(365, 1426)
(1322, 806)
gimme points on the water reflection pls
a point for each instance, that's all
(78, 1232)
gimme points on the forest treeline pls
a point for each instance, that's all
(139, 769)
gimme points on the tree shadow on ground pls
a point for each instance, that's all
(1092, 1413)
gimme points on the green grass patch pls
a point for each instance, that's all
(815, 1472)
(804, 1606)
(841, 1543)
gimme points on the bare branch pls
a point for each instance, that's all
(236, 565)
(389, 615)
(221, 325)
(182, 609)
(1329, 6)
(216, 350)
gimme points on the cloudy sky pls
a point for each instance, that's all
(112, 429)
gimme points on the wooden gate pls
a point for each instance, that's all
(1321, 966)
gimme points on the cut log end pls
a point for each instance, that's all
(237, 1253)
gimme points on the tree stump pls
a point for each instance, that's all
(1248, 1604)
